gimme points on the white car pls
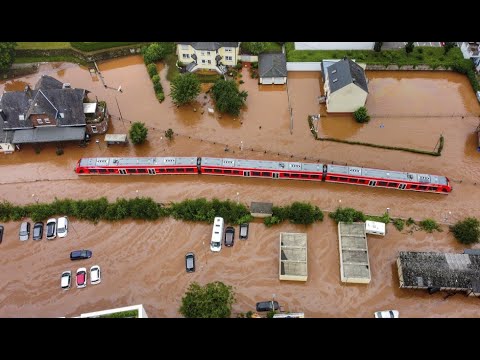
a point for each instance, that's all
(387, 314)
(81, 278)
(66, 280)
(62, 227)
(51, 229)
(95, 275)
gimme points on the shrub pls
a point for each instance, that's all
(138, 133)
(228, 98)
(347, 215)
(467, 231)
(241, 82)
(410, 222)
(59, 151)
(157, 87)
(409, 47)
(155, 52)
(429, 225)
(214, 300)
(303, 213)
(420, 50)
(399, 224)
(361, 115)
(160, 96)
(185, 88)
(169, 134)
(253, 48)
(271, 220)
(152, 70)
(155, 79)
(254, 65)
(378, 46)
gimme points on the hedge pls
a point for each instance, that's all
(95, 46)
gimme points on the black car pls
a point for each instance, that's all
(190, 262)
(80, 254)
(267, 306)
(38, 231)
(1, 233)
(229, 236)
(243, 232)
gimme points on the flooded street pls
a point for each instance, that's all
(144, 262)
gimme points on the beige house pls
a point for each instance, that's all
(208, 55)
(345, 86)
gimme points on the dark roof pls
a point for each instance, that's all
(439, 270)
(211, 46)
(49, 134)
(346, 72)
(261, 208)
(48, 98)
(272, 65)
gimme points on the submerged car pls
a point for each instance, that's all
(229, 236)
(62, 227)
(1, 233)
(387, 314)
(81, 278)
(190, 262)
(24, 231)
(66, 280)
(51, 229)
(38, 231)
(95, 275)
(243, 231)
(80, 254)
(267, 306)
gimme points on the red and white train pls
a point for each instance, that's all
(264, 169)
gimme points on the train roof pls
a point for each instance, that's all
(262, 164)
(131, 161)
(387, 174)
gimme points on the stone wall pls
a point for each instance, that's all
(407, 68)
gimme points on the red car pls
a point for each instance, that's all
(81, 278)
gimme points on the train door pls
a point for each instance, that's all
(151, 171)
(275, 175)
(122, 172)
(372, 183)
(402, 186)
(246, 173)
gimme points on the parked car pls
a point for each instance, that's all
(243, 231)
(229, 236)
(38, 231)
(1, 233)
(478, 96)
(24, 230)
(80, 254)
(81, 278)
(66, 280)
(62, 226)
(51, 229)
(267, 306)
(190, 262)
(95, 275)
(387, 314)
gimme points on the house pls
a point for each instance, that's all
(470, 50)
(334, 45)
(208, 55)
(345, 86)
(51, 112)
(272, 68)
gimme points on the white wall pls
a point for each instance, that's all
(334, 45)
(347, 99)
(304, 66)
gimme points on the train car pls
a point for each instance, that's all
(388, 179)
(261, 168)
(137, 166)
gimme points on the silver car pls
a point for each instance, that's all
(24, 231)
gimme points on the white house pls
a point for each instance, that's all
(345, 86)
(272, 68)
(208, 55)
(470, 50)
(334, 45)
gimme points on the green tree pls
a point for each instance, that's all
(184, 88)
(467, 231)
(253, 48)
(228, 98)
(214, 300)
(155, 52)
(304, 213)
(378, 46)
(448, 46)
(152, 70)
(347, 215)
(361, 115)
(7, 55)
(138, 133)
(409, 47)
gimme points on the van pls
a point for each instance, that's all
(217, 234)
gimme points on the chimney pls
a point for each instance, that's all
(2, 115)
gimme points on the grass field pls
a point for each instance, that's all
(42, 45)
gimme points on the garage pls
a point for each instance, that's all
(272, 69)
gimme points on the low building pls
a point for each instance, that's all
(135, 311)
(334, 45)
(345, 86)
(293, 264)
(439, 271)
(272, 68)
(354, 262)
(208, 55)
(261, 209)
(375, 228)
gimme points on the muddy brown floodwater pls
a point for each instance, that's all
(143, 262)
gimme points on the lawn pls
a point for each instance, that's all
(273, 47)
(172, 72)
(59, 58)
(96, 46)
(42, 45)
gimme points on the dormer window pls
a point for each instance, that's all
(47, 121)
(39, 121)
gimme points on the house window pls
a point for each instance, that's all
(209, 61)
(228, 58)
(203, 61)
(40, 121)
(184, 47)
(203, 53)
(208, 53)
(94, 129)
(186, 56)
(228, 49)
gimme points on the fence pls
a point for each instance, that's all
(304, 66)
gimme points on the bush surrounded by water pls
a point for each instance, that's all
(296, 213)
(467, 231)
(429, 225)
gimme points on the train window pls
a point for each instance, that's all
(93, 171)
(432, 188)
(256, 173)
(180, 169)
(352, 180)
(236, 172)
(285, 175)
(305, 176)
(314, 176)
(207, 170)
(142, 171)
(161, 170)
(343, 179)
(170, 170)
(111, 170)
(217, 170)
(227, 171)
(131, 171)
(413, 187)
(382, 183)
(333, 178)
(189, 170)
(102, 171)
(392, 185)
(265, 173)
(422, 188)
(294, 175)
